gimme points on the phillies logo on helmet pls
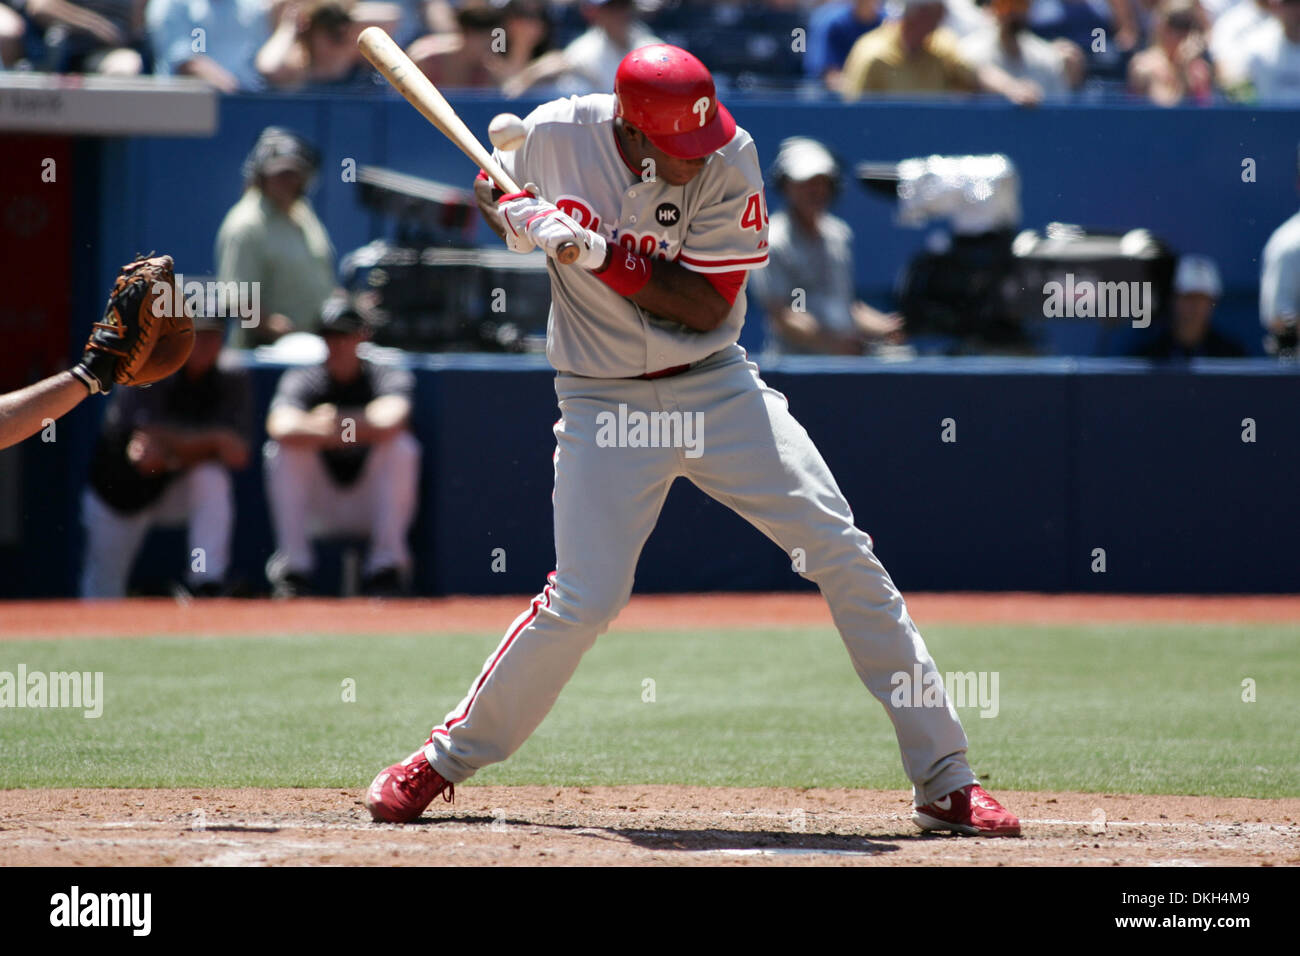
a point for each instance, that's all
(701, 109)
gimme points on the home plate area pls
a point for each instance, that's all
(628, 825)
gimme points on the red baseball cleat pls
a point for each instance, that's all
(400, 793)
(969, 811)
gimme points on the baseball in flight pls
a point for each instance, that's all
(506, 131)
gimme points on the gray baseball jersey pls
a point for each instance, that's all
(715, 223)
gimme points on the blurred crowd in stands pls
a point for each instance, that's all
(1166, 51)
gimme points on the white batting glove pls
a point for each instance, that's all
(516, 209)
(550, 230)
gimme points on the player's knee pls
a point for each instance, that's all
(401, 452)
(210, 480)
(589, 608)
(406, 447)
(849, 553)
(286, 460)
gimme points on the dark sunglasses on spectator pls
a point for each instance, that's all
(1182, 23)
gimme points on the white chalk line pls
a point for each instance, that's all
(221, 825)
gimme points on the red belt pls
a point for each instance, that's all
(666, 372)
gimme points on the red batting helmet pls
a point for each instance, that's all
(669, 95)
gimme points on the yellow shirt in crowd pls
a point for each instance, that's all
(877, 63)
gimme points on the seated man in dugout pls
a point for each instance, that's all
(341, 460)
(164, 458)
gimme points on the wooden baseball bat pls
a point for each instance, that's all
(390, 60)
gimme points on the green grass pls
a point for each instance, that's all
(1149, 709)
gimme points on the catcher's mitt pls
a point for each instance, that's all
(146, 333)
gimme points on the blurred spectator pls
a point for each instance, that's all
(807, 288)
(1228, 39)
(164, 458)
(589, 62)
(1173, 68)
(341, 459)
(1055, 66)
(93, 36)
(1212, 10)
(233, 31)
(1197, 290)
(833, 28)
(272, 237)
(315, 43)
(965, 17)
(12, 30)
(528, 36)
(468, 58)
(1279, 285)
(914, 54)
(1271, 58)
(422, 17)
(1077, 20)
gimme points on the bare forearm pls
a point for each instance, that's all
(210, 71)
(802, 330)
(993, 79)
(189, 446)
(273, 59)
(378, 421)
(293, 426)
(387, 414)
(675, 292)
(28, 410)
(546, 67)
(78, 18)
(486, 195)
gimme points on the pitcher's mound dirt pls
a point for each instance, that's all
(627, 825)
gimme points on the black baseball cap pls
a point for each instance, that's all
(339, 315)
(279, 149)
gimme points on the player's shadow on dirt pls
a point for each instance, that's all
(713, 839)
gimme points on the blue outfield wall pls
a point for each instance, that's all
(1052, 459)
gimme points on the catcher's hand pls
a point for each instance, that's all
(146, 333)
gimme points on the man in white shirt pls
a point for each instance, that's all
(1228, 38)
(589, 62)
(1279, 284)
(807, 288)
(1056, 66)
(1272, 57)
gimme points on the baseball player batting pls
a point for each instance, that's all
(663, 194)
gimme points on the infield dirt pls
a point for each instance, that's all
(631, 825)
